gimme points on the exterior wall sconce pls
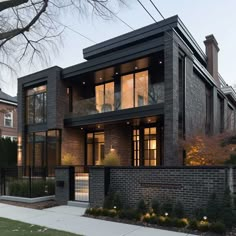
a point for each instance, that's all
(19, 151)
(112, 149)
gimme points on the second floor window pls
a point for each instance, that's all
(36, 105)
(134, 90)
(105, 97)
(8, 119)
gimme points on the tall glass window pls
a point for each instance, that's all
(136, 145)
(150, 146)
(43, 149)
(134, 90)
(105, 97)
(36, 105)
(95, 148)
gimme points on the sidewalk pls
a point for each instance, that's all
(70, 219)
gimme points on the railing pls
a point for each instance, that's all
(28, 181)
(119, 101)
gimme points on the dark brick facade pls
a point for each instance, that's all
(191, 186)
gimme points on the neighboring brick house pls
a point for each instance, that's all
(8, 116)
(139, 94)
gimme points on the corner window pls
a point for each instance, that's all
(8, 119)
(36, 105)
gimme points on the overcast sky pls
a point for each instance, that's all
(202, 17)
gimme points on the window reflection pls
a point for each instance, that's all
(36, 105)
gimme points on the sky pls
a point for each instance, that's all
(202, 17)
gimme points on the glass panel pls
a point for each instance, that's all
(29, 150)
(39, 108)
(127, 90)
(141, 89)
(99, 90)
(39, 89)
(109, 97)
(89, 154)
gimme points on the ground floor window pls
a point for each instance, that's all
(43, 149)
(95, 148)
(147, 147)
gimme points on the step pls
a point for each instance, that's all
(78, 204)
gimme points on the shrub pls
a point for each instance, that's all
(69, 159)
(199, 213)
(212, 209)
(218, 228)
(39, 188)
(129, 214)
(111, 159)
(161, 220)
(193, 224)
(167, 207)
(151, 219)
(112, 200)
(178, 210)
(180, 223)
(203, 226)
(156, 206)
(141, 207)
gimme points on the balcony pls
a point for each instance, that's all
(130, 100)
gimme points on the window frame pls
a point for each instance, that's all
(11, 119)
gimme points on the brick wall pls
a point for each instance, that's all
(119, 136)
(190, 185)
(96, 186)
(73, 143)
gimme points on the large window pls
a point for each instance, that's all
(134, 90)
(105, 97)
(146, 146)
(8, 119)
(95, 148)
(36, 105)
(43, 149)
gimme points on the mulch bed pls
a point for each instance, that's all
(37, 205)
(180, 230)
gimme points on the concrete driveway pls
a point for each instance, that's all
(68, 218)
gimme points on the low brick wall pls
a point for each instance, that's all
(190, 185)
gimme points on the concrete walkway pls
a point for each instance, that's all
(70, 219)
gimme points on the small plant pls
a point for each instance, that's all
(141, 207)
(156, 206)
(199, 213)
(167, 208)
(111, 159)
(203, 226)
(217, 227)
(180, 223)
(112, 201)
(68, 159)
(193, 224)
(161, 220)
(212, 209)
(129, 214)
(151, 219)
(178, 210)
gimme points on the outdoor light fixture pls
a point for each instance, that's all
(81, 128)
(205, 218)
(117, 73)
(100, 78)
(112, 149)
(67, 91)
(135, 67)
(127, 122)
(160, 62)
(83, 82)
(114, 207)
(166, 214)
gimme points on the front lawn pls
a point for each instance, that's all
(12, 227)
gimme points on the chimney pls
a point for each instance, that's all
(212, 50)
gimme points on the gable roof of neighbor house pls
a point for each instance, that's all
(6, 98)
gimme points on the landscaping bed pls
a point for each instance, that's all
(218, 217)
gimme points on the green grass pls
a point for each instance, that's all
(12, 227)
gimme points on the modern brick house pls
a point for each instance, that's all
(8, 116)
(139, 93)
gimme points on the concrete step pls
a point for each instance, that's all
(78, 204)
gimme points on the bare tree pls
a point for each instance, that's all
(29, 28)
